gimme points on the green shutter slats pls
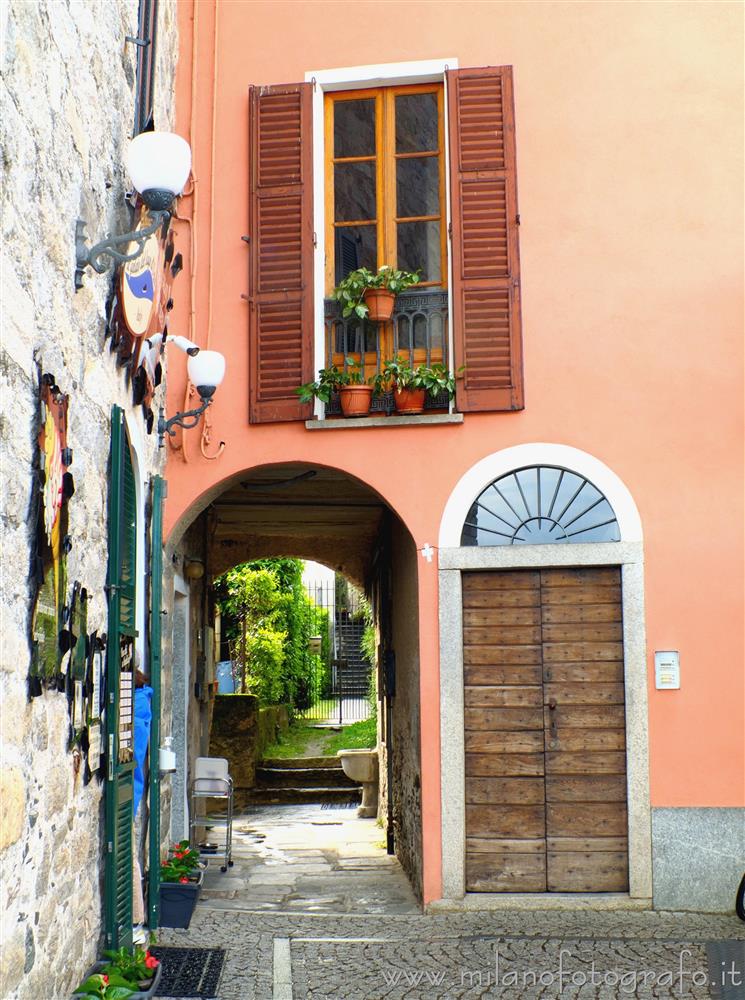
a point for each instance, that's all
(120, 578)
(156, 607)
(128, 570)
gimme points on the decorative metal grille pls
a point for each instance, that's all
(420, 322)
(540, 505)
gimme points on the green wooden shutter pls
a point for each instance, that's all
(156, 602)
(121, 579)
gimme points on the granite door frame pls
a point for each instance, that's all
(455, 559)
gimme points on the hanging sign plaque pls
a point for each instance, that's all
(52, 542)
(140, 307)
(141, 283)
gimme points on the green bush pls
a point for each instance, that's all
(268, 620)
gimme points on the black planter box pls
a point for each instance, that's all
(177, 902)
(138, 995)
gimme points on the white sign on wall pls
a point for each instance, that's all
(667, 670)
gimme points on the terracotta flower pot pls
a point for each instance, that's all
(380, 303)
(409, 400)
(355, 400)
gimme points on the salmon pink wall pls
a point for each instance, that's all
(629, 148)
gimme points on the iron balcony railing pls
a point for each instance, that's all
(420, 324)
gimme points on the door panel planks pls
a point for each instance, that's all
(544, 731)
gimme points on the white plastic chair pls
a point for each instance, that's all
(212, 781)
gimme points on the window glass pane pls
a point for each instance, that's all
(418, 186)
(371, 337)
(403, 334)
(354, 191)
(419, 248)
(416, 123)
(540, 505)
(354, 337)
(355, 246)
(436, 325)
(420, 332)
(354, 128)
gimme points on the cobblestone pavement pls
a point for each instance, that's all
(316, 910)
(462, 955)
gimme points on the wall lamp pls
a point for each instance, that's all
(206, 371)
(158, 164)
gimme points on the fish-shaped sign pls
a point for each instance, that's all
(141, 283)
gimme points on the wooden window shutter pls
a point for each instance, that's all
(120, 586)
(281, 250)
(485, 297)
(158, 494)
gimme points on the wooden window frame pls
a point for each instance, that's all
(385, 158)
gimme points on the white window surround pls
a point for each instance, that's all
(454, 559)
(484, 472)
(359, 78)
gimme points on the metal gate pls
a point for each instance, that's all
(339, 692)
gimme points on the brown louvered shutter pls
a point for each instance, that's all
(486, 265)
(281, 250)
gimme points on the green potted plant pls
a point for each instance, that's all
(125, 975)
(412, 385)
(180, 884)
(355, 394)
(370, 295)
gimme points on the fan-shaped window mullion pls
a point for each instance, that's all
(569, 509)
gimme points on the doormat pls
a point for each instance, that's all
(726, 968)
(189, 972)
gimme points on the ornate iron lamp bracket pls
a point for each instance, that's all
(186, 420)
(101, 255)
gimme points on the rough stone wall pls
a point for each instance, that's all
(67, 98)
(240, 732)
(407, 797)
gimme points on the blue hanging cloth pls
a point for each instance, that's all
(143, 716)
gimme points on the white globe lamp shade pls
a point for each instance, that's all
(158, 162)
(206, 371)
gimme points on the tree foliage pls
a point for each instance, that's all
(268, 620)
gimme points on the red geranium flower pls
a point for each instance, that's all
(151, 962)
(105, 980)
(183, 879)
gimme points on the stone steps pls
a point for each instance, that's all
(302, 780)
(300, 796)
(299, 762)
(302, 777)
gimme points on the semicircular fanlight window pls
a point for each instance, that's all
(537, 506)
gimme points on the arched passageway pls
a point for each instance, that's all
(322, 514)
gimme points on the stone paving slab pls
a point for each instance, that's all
(294, 858)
